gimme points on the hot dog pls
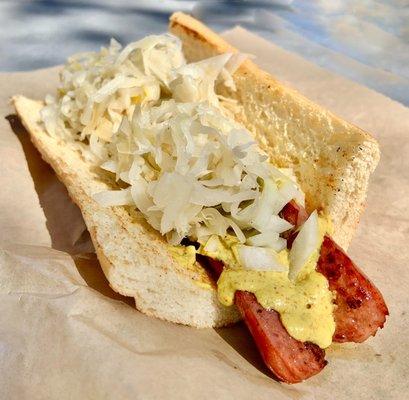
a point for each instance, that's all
(157, 150)
(290, 360)
(360, 308)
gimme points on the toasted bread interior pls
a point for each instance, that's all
(331, 158)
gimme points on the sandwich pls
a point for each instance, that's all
(213, 193)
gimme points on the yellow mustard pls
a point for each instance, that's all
(184, 255)
(305, 306)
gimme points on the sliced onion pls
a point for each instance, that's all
(268, 239)
(305, 246)
(259, 258)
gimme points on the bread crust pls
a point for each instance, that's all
(134, 257)
(332, 159)
(295, 132)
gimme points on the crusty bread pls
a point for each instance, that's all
(331, 158)
(134, 257)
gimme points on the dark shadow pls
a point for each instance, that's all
(38, 168)
(59, 222)
(89, 268)
(60, 214)
(238, 337)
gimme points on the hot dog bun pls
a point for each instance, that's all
(331, 158)
(295, 132)
(133, 256)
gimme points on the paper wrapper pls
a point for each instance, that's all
(64, 334)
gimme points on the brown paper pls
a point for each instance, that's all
(64, 334)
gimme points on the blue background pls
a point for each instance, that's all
(364, 40)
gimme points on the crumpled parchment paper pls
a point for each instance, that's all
(64, 334)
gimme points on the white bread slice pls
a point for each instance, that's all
(331, 158)
(134, 257)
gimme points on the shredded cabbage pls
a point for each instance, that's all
(155, 122)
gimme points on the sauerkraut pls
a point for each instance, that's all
(155, 122)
